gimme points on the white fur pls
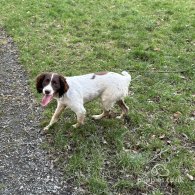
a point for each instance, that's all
(110, 87)
(49, 87)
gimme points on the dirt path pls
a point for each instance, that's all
(24, 167)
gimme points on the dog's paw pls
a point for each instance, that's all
(46, 128)
(42, 132)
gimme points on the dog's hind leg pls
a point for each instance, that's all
(80, 117)
(56, 115)
(107, 106)
(123, 107)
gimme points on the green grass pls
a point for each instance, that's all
(78, 37)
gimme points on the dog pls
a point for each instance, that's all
(73, 92)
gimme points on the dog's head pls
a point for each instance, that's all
(51, 84)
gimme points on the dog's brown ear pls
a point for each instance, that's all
(39, 82)
(63, 86)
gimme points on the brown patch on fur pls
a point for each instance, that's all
(39, 81)
(99, 74)
(63, 86)
(93, 77)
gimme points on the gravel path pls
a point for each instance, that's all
(24, 167)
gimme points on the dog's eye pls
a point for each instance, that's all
(47, 80)
(54, 83)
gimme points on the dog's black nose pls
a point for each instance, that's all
(47, 92)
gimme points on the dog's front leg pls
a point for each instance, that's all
(55, 117)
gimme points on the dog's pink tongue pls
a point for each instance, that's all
(46, 99)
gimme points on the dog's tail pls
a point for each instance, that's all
(127, 75)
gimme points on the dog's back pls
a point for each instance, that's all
(92, 85)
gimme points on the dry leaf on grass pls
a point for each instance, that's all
(176, 115)
(190, 177)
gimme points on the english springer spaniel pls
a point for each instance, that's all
(73, 92)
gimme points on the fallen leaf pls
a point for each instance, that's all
(193, 113)
(185, 135)
(190, 177)
(162, 136)
(182, 77)
(168, 142)
(104, 141)
(156, 49)
(176, 115)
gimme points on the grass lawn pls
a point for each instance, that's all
(152, 151)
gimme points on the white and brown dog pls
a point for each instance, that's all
(73, 92)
